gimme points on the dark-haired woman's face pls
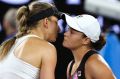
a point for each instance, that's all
(53, 28)
(73, 39)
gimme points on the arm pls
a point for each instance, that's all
(98, 68)
(49, 59)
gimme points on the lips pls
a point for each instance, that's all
(65, 38)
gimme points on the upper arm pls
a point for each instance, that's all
(48, 65)
(99, 69)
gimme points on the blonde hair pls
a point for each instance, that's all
(23, 15)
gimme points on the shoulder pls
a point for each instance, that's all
(98, 68)
(96, 60)
(45, 47)
(40, 45)
(39, 48)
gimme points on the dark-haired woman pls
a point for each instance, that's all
(84, 38)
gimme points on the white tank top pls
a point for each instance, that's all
(12, 67)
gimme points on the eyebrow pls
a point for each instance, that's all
(74, 29)
(56, 21)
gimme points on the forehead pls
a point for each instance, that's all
(54, 18)
(72, 29)
(75, 31)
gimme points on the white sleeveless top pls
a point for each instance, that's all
(12, 67)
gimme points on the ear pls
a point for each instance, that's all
(86, 40)
(45, 22)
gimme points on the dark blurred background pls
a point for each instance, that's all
(106, 11)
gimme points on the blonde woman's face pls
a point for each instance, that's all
(53, 28)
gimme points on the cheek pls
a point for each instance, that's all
(71, 43)
(68, 42)
(52, 32)
(54, 28)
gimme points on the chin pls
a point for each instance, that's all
(65, 45)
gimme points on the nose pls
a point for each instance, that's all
(67, 33)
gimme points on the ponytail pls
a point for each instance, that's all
(22, 17)
(5, 47)
(100, 43)
(22, 30)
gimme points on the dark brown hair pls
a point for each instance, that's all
(99, 44)
(23, 15)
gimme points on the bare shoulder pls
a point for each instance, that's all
(40, 45)
(45, 48)
(98, 68)
(33, 50)
(97, 60)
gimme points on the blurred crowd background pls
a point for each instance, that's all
(106, 11)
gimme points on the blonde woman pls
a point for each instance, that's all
(30, 55)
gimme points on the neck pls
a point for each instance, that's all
(79, 53)
(38, 32)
